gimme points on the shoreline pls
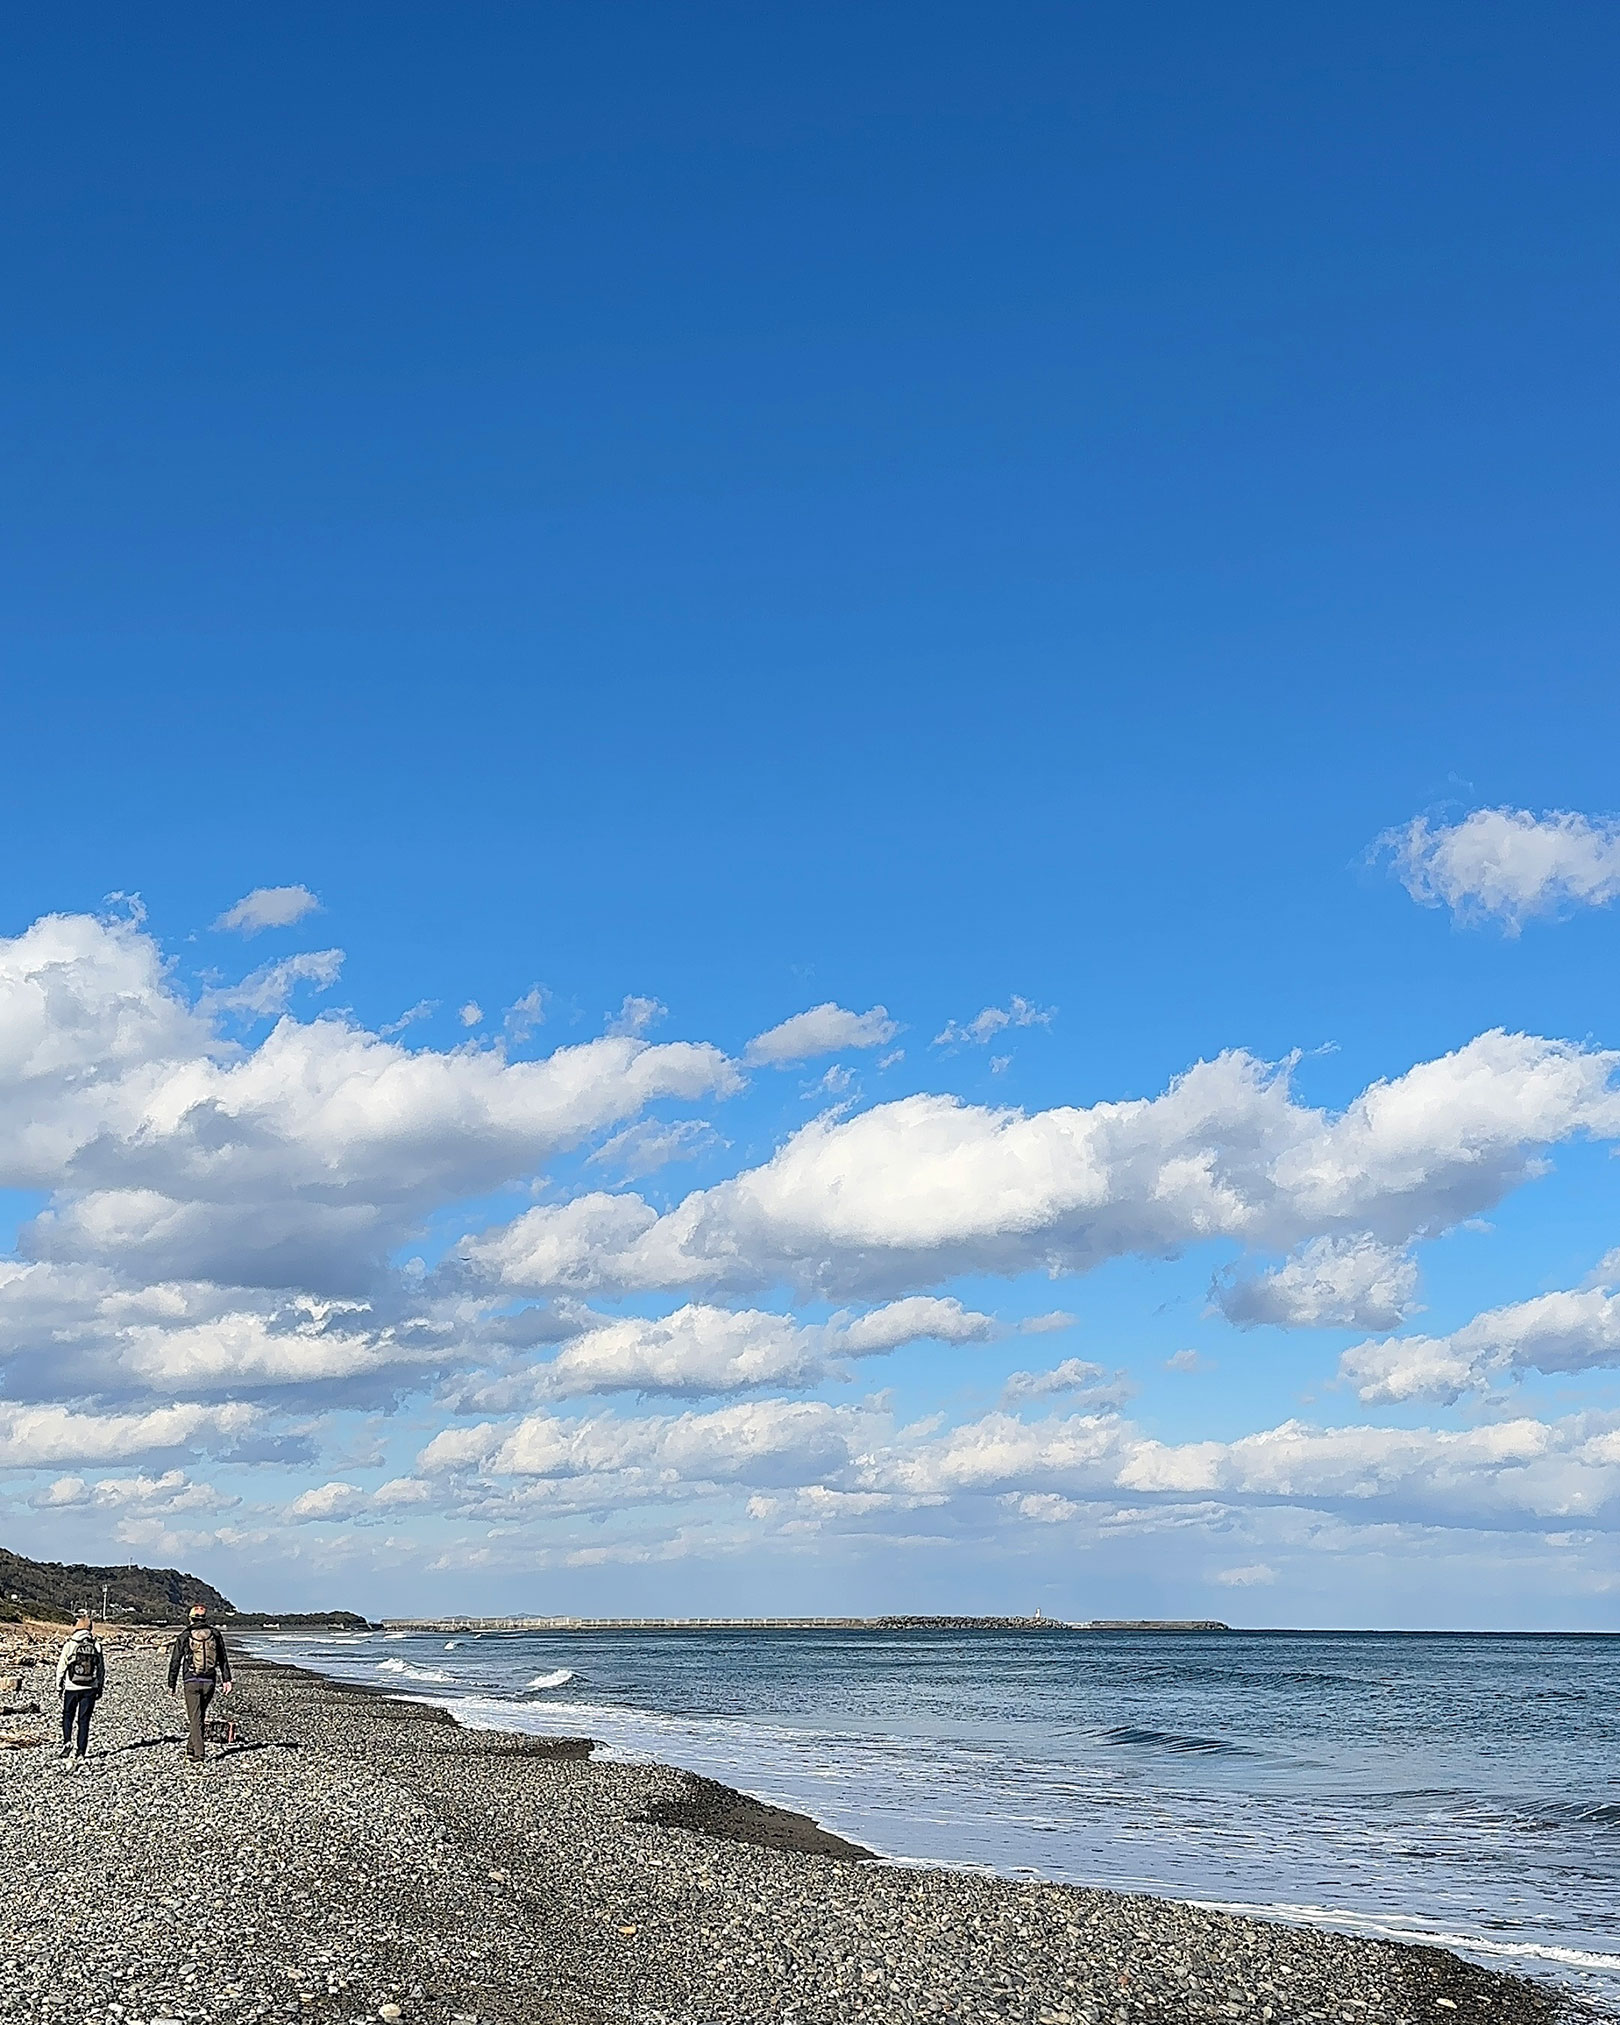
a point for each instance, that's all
(358, 1850)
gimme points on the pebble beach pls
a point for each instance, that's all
(351, 1856)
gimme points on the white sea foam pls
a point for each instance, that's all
(1393, 1928)
(560, 1678)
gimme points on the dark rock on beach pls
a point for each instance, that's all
(348, 1857)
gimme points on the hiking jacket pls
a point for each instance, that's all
(180, 1661)
(63, 1684)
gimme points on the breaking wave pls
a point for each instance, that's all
(404, 1668)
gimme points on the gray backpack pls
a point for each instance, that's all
(202, 1653)
(84, 1663)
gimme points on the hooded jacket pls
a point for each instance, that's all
(95, 1687)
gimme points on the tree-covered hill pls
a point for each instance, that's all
(56, 1589)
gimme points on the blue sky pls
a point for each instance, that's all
(755, 512)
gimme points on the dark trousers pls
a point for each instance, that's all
(199, 1693)
(76, 1706)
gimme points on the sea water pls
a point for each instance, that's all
(1457, 1789)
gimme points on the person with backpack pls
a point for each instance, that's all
(81, 1680)
(199, 1662)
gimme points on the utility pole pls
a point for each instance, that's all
(104, 1603)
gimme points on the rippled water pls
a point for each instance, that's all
(1461, 1789)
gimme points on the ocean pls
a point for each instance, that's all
(1457, 1789)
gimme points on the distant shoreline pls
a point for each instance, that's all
(639, 1624)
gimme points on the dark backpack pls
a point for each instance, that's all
(84, 1663)
(201, 1652)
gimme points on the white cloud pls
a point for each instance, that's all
(1503, 1474)
(1257, 1574)
(1185, 1360)
(984, 1026)
(1507, 864)
(643, 1148)
(304, 1159)
(267, 992)
(42, 1437)
(920, 1318)
(699, 1349)
(909, 1193)
(1558, 1332)
(823, 1030)
(471, 1014)
(1512, 1474)
(527, 1014)
(423, 1009)
(327, 1502)
(175, 1491)
(835, 1082)
(764, 1442)
(1352, 1282)
(1073, 1375)
(402, 1491)
(1045, 1508)
(269, 907)
(637, 1015)
(215, 1272)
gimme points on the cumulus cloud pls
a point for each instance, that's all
(326, 1503)
(43, 1437)
(176, 1491)
(764, 1441)
(1351, 1282)
(823, 1030)
(908, 1193)
(1558, 1332)
(402, 1491)
(268, 907)
(700, 1349)
(1254, 1575)
(1508, 865)
(301, 1161)
(994, 1019)
(218, 1262)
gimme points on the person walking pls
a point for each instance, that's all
(81, 1680)
(199, 1662)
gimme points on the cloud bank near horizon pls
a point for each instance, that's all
(225, 1277)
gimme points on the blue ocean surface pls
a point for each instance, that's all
(1457, 1789)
